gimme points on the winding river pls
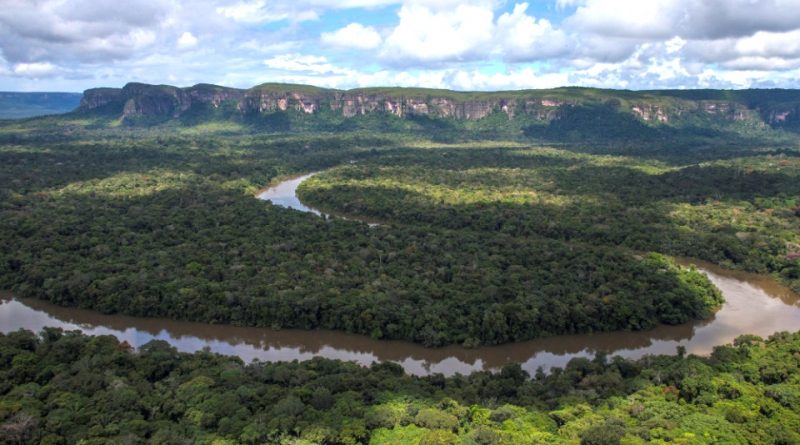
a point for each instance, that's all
(755, 304)
(284, 194)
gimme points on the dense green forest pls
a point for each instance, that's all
(737, 210)
(493, 230)
(65, 388)
(169, 227)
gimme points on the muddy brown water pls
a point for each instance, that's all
(754, 304)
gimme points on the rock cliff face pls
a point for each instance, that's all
(784, 115)
(651, 113)
(163, 102)
(140, 100)
(99, 97)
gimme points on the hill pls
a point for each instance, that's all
(21, 105)
(556, 114)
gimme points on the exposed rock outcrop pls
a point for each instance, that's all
(651, 113)
(163, 102)
(99, 97)
(140, 100)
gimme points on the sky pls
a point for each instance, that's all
(72, 45)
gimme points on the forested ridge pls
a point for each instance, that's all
(65, 388)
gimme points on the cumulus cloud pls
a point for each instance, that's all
(187, 40)
(522, 37)
(425, 34)
(462, 44)
(627, 18)
(706, 19)
(468, 32)
(762, 50)
(52, 30)
(354, 35)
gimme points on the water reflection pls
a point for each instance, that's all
(284, 194)
(755, 304)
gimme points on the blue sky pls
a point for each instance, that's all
(71, 45)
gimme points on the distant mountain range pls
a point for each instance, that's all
(545, 113)
(570, 114)
(20, 105)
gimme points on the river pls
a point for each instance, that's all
(284, 194)
(754, 304)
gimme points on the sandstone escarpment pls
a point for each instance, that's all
(163, 102)
(650, 113)
(99, 97)
(140, 100)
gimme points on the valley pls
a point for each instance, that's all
(403, 265)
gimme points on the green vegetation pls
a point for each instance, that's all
(145, 205)
(740, 212)
(169, 227)
(586, 115)
(65, 388)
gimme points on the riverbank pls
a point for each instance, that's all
(754, 304)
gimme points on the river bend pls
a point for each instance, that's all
(754, 304)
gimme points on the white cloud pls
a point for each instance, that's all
(463, 44)
(523, 78)
(761, 64)
(522, 37)
(304, 63)
(260, 11)
(627, 18)
(249, 12)
(54, 30)
(761, 51)
(674, 45)
(459, 79)
(354, 35)
(187, 40)
(257, 46)
(34, 70)
(770, 44)
(663, 19)
(427, 35)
